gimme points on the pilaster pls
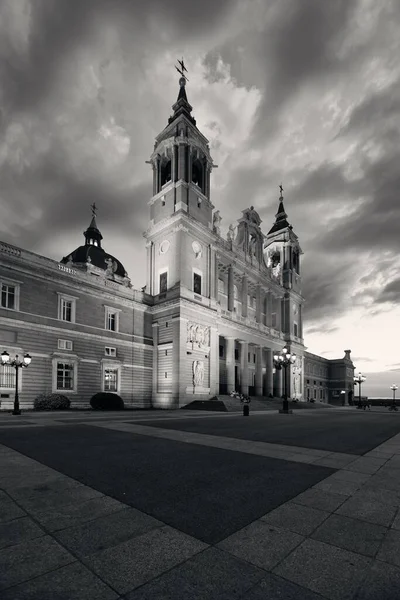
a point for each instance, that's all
(214, 361)
(269, 365)
(230, 289)
(244, 295)
(259, 371)
(230, 363)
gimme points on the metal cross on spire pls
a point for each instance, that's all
(281, 190)
(94, 209)
(181, 69)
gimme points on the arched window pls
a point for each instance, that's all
(165, 172)
(197, 173)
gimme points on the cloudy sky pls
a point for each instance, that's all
(300, 91)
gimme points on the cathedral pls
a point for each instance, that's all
(213, 313)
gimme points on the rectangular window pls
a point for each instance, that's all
(197, 283)
(8, 296)
(112, 319)
(315, 394)
(110, 380)
(295, 329)
(254, 358)
(66, 310)
(7, 377)
(65, 376)
(163, 282)
(221, 352)
(110, 351)
(236, 353)
(64, 345)
(273, 320)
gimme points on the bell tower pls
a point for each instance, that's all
(182, 165)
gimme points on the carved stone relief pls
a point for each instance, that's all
(198, 373)
(198, 335)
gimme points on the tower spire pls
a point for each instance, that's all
(182, 105)
(281, 216)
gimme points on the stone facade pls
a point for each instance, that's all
(213, 312)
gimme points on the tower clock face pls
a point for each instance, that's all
(196, 247)
(164, 246)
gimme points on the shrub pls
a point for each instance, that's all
(51, 402)
(106, 401)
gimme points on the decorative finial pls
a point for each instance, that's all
(181, 70)
(281, 190)
(94, 208)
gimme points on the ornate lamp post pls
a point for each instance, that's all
(393, 388)
(283, 361)
(359, 379)
(17, 364)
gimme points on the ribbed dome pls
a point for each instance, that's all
(97, 257)
(93, 253)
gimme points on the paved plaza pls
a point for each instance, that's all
(152, 505)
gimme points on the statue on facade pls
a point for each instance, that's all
(111, 267)
(198, 373)
(217, 222)
(231, 233)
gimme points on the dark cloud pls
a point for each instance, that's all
(390, 293)
(299, 47)
(57, 28)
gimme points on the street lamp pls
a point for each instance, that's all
(17, 364)
(393, 388)
(359, 379)
(283, 361)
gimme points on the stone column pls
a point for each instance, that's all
(244, 367)
(212, 279)
(258, 304)
(268, 309)
(230, 363)
(269, 365)
(278, 315)
(181, 161)
(154, 179)
(244, 296)
(231, 294)
(149, 286)
(259, 371)
(174, 165)
(216, 258)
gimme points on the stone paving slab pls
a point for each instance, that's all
(332, 572)
(72, 582)
(61, 517)
(295, 517)
(368, 510)
(261, 544)
(210, 574)
(29, 559)
(390, 549)
(381, 583)
(326, 501)
(18, 530)
(111, 530)
(351, 534)
(9, 509)
(139, 560)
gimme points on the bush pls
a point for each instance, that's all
(51, 402)
(106, 401)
